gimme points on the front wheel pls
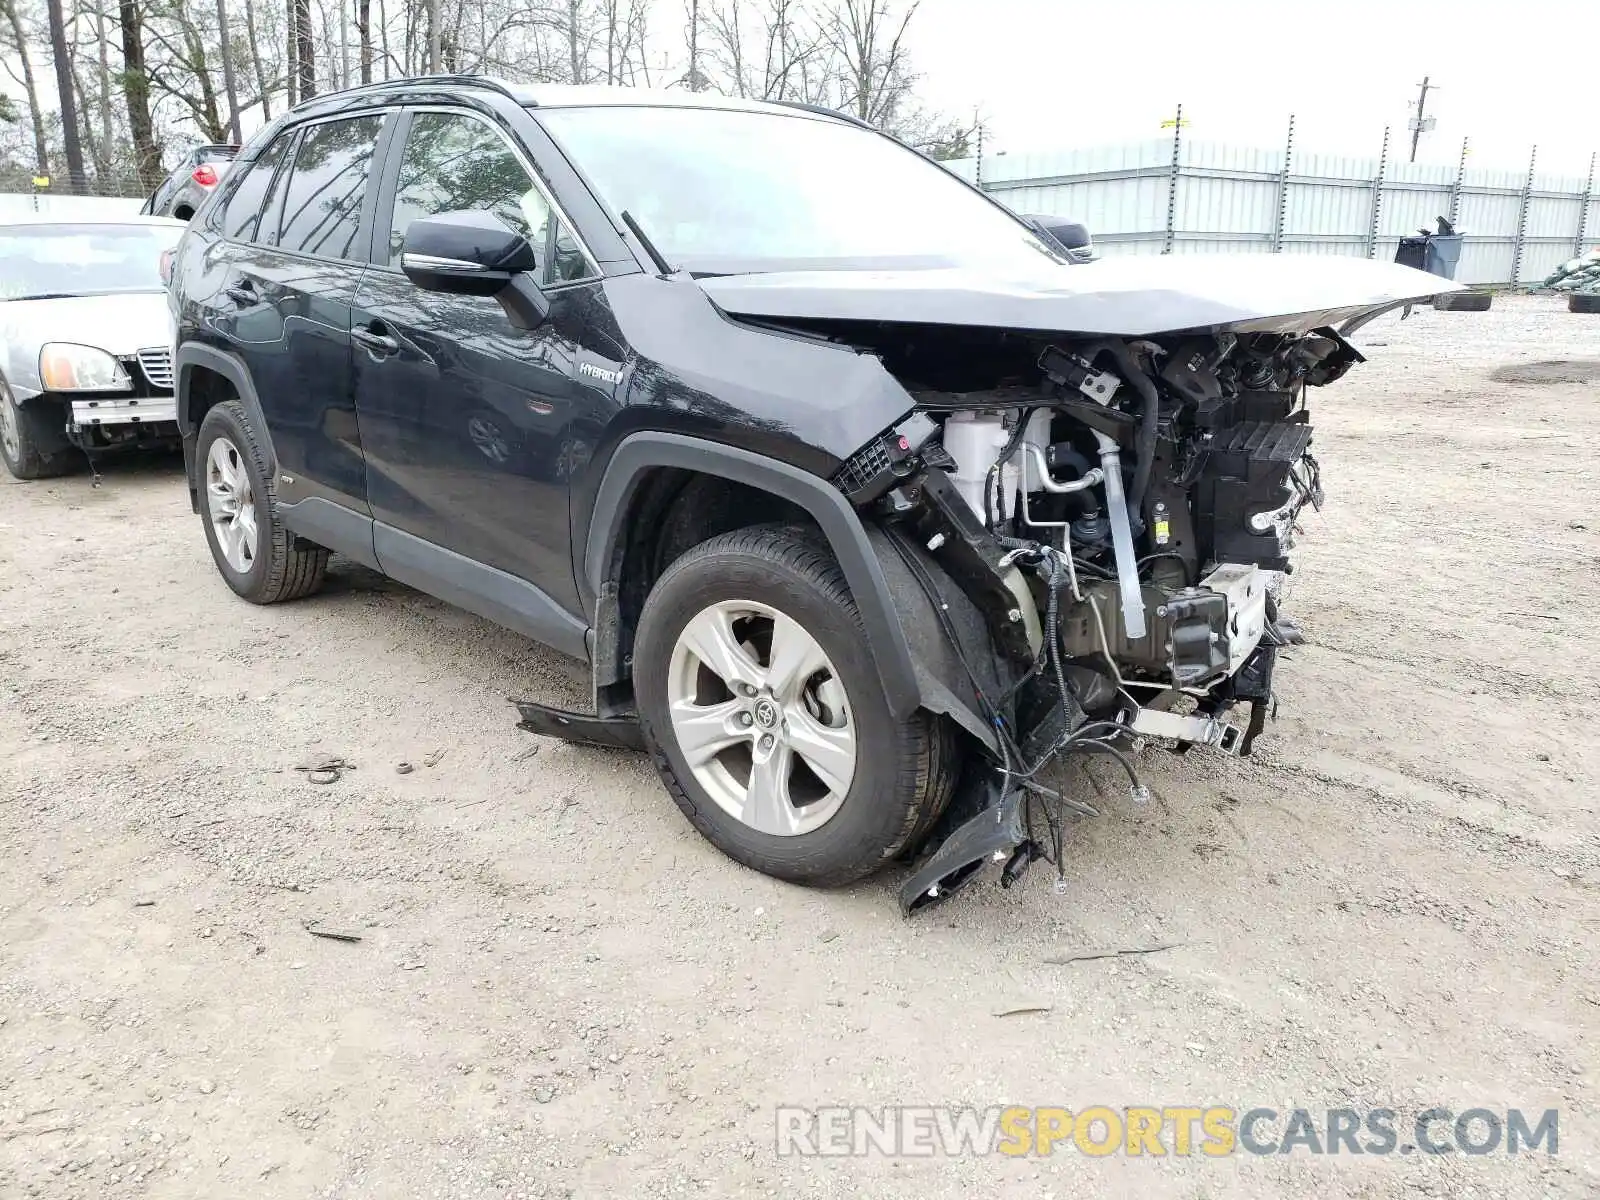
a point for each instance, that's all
(765, 717)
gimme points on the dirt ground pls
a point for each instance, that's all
(560, 990)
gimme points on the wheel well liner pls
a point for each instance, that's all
(642, 453)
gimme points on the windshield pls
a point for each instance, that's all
(720, 191)
(81, 260)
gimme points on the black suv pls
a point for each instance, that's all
(861, 498)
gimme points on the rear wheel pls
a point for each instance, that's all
(31, 442)
(763, 713)
(257, 556)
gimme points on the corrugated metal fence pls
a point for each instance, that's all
(1187, 196)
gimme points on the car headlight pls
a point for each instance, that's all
(66, 367)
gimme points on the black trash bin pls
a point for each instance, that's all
(1413, 252)
(1436, 253)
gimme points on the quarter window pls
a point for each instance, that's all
(457, 164)
(242, 216)
(322, 204)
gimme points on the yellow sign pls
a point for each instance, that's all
(41, 181)
(1174, 123)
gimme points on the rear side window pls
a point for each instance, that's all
(241, 218)
(457, 163)
(327, 183)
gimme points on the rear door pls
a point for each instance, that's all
(291, 269)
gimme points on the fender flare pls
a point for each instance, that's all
(846, 535)
(197, 354)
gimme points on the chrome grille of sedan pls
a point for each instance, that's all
(156, 363)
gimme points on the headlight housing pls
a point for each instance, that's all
(68, 367)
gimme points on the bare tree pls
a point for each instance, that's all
(869, 43)
(364, 32)
(228, 87)
(305, 49)
(763, 47)
(76, 177)
(19, 44)
(103, 85)
(259, 67)
(136, 94)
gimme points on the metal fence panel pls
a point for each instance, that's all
(1243, 199)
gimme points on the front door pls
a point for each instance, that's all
(470, 426)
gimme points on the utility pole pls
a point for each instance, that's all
(1419, 123)
(434, 33)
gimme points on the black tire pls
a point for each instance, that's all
(284, 567)
(1463, 301)
(905, 770)
(41, 450)
(1581, 302)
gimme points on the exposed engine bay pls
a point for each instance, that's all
(1121, 512)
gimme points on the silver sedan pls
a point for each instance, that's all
(85, 339)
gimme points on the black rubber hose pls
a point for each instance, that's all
(1145, 461)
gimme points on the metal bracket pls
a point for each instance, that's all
(1201, 731)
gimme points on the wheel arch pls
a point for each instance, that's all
(205, 377)
(639, 459)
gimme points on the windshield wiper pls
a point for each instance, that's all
(649, 246)
(44, 296)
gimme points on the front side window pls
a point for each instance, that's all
(729, 191)
(456, 163)
(241, 218)
(327, 183)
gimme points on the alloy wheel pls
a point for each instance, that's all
(10, 432)
(761, 717)
(230, 501)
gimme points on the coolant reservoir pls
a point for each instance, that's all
(974, 440)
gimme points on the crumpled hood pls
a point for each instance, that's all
(1124, 295)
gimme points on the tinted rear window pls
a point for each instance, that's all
(241, 218)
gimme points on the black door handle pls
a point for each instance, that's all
(377, 343)
(241, 293)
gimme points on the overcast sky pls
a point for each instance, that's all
(1070, 73)
(1062, 73)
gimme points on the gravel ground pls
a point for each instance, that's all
(561, 990)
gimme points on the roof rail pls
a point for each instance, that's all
(822, 110)
(483, 81)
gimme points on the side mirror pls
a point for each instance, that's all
(475, 254)
(1069, 235)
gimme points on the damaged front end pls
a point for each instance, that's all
(1090, 538)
